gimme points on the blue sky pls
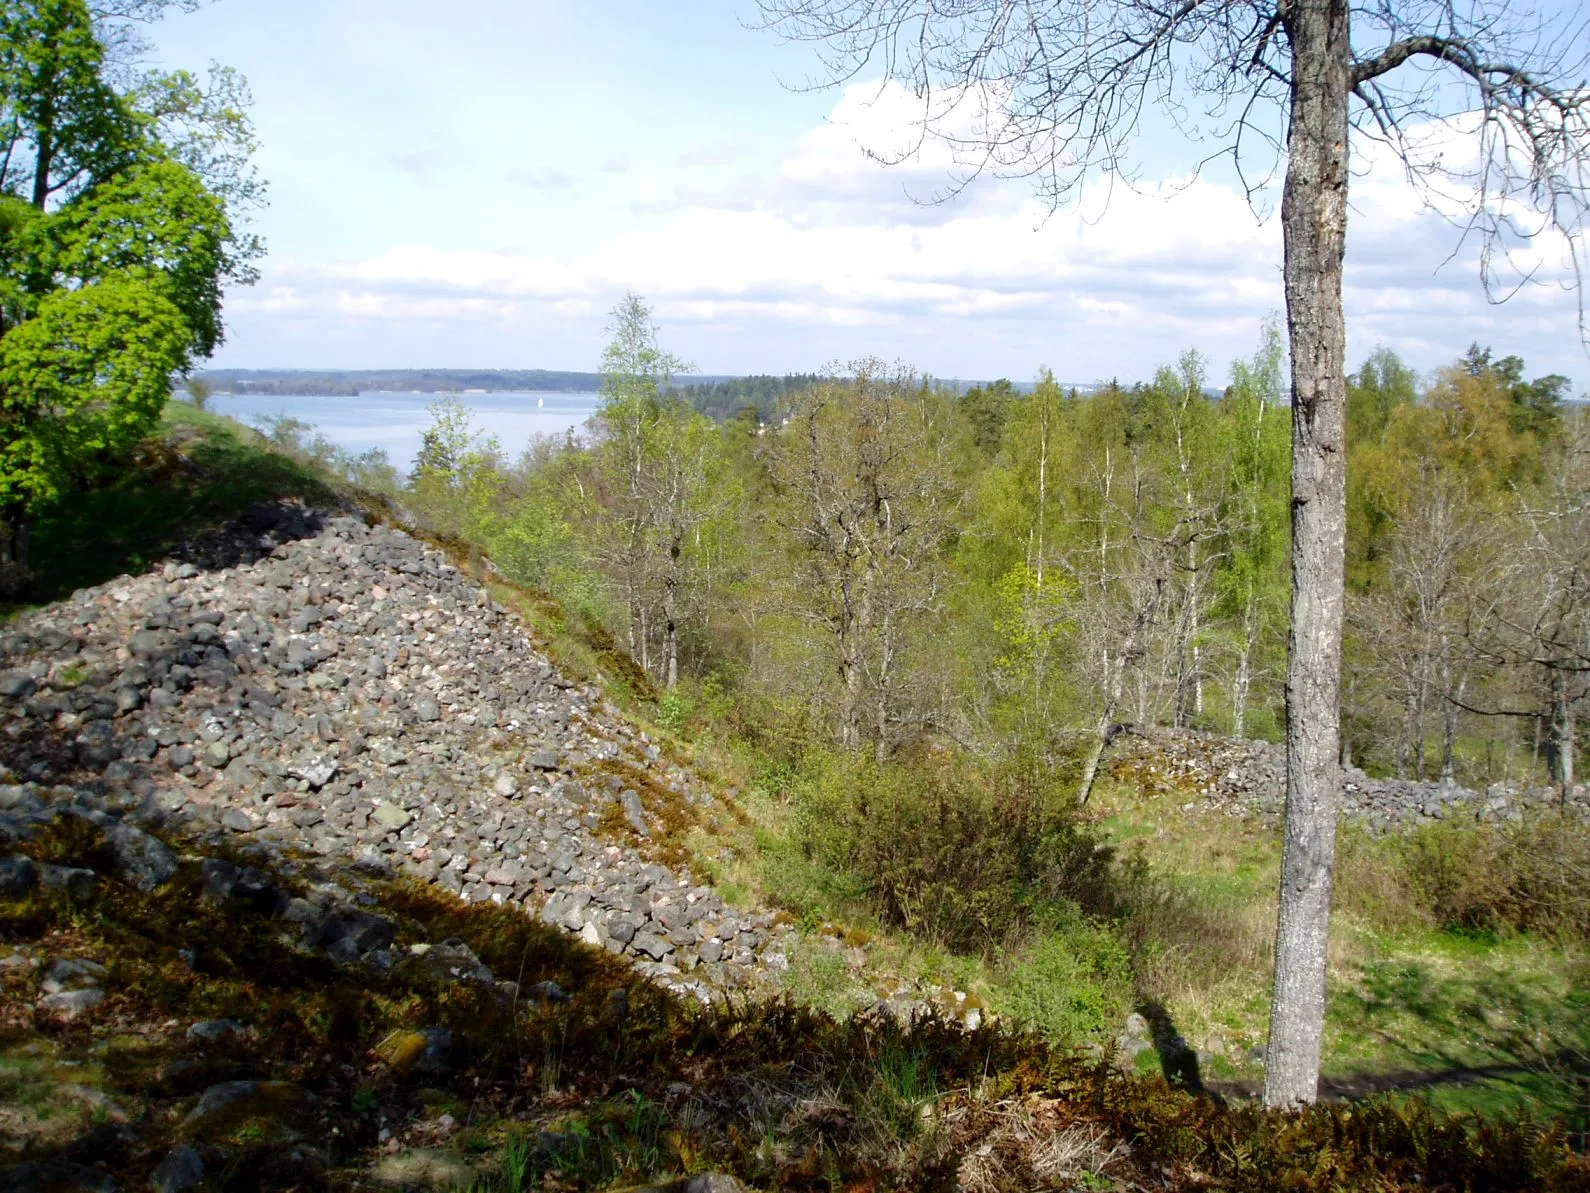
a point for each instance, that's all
(476, 184)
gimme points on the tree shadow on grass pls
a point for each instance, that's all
(1515, 1034)
(1178, 1060)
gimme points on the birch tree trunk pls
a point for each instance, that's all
(1314, 229)
(671, 614)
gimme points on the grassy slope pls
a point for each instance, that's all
(1476, 1022)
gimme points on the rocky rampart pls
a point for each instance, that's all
(304, 683)
(1249, 777)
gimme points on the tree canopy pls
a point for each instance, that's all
(118, 233)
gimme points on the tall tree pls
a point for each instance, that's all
(1056, 89)
(113, 255)
(863, 488)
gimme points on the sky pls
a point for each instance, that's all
(477, 184)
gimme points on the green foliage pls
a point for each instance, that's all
(964, 856)
(197, 471)
(113, 254)
(82, 381)
(732, 398)
(1074, 985)
(1532, 876)
(986, 410)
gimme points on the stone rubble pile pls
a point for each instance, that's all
(1248, 776)
(313, 685)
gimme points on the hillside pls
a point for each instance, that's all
(322, 870)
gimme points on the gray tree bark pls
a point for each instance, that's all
(1314, 228)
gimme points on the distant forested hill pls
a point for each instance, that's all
(353, 381)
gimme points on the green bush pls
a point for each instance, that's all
(1532, 876)
(1074, 985)
(962, 855)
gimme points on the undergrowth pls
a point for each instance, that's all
(606, 1090)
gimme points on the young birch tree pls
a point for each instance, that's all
(633, 422)
(1055, 90)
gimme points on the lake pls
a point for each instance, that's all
(393, 421)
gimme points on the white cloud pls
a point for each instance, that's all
(832, 254)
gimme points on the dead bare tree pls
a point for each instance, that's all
(1055, 91)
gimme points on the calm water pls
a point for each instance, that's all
(393, 422)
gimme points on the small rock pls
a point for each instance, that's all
(348, 934)
(651, 945)
(391, 818)
(71, 973)
(428, 710)
(714, 1182)
(635, 813)
(140, 859)
(230, 1102)
(212, 1031)
(549, 991)
(316, 771)
(17, 876)
(181, 1170)
(80, 885)
(69, 1004)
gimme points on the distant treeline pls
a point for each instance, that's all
(721, 400)
(348, 382)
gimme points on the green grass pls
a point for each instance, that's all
(1473, 1022)
(197, 472)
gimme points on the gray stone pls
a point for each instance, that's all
(17, 876)
(392, 819)
(428, 710)
(713, 1182)
(181, 1170)
(549, 991)
(69, 1004)
(238, 821)
(16, 685)
(231, 1101)
(357, 932)
(80, 885)
(146, 644)
(635, 813)
(317, 771)
(140, 859)
(71, 973)
(212, 1031)
(651, 945)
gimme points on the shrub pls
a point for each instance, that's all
(1531, 876)
(1073, 985)
(961, 855)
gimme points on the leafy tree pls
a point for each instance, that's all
(661, 467)
(986, 409)
(113, 255)
(863, 490)
(1536, 405)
